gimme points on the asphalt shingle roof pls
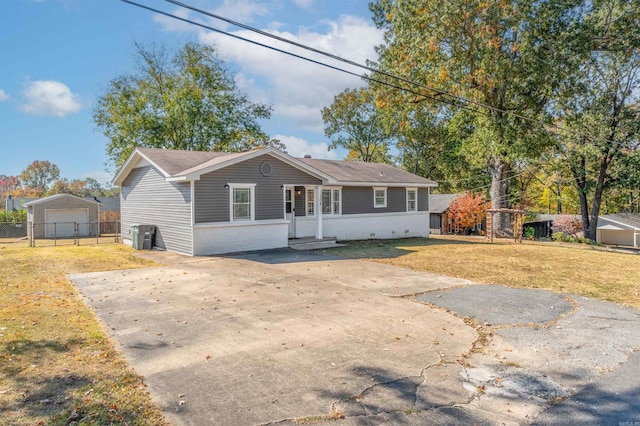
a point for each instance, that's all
(629, 219)
(439, 203)
(180, 163)
(360, 171)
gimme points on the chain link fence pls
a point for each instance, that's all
(60, 233)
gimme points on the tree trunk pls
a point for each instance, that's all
(499, 196)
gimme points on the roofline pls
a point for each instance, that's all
(129, 165)
(391, 184)
(55, 196)
(292, 161)
(621, 223)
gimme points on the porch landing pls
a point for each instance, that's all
(310, 243)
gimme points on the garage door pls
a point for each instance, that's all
(621, 238)
(60, 223)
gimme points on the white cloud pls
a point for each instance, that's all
(298, 147)
(4, 96)
(50, 97)
(299, 89)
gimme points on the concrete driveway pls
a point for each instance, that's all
(285, 336)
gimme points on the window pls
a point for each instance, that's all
(379, 197)
(331, 201)
(311, 196)
(412, 200)
(241, 201)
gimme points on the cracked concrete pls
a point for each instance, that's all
(280, 336)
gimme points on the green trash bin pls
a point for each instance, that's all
(134, 237)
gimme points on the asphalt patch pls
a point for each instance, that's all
(499, 305)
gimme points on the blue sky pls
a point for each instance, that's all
(57, 57)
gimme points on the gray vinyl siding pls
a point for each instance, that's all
(147, 198)
(423, 199)
(356, 200)
(212, 198)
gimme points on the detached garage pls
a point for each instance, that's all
(58, 216)
(619, 229)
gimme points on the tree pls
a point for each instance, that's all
(188, 101)
(7, 185)
(508, 55)
(601, 105)
(466, 211)
(354, 123)
(39, 175)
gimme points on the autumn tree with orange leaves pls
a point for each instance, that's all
(466, 211)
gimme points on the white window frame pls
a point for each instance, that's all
(376, 189)
(252, 188)
(335, 191)
(308, 189)
(415, 200)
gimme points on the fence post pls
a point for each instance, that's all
(55, 233)
(75, 234)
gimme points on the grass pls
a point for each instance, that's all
(570, 268)
(57, 365)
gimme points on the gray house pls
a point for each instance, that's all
(212, 202)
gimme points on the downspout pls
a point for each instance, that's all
(192, 194)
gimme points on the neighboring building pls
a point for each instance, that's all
(622, 229)
(439, 213)
(13, 204)
(211, 202)
(58, 216)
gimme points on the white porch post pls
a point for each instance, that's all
(317, 208)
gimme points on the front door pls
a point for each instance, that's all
(290, 211)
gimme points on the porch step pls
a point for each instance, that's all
(312, 243)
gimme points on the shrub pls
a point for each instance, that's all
(529, 233)
(567, 224)
(13, 216)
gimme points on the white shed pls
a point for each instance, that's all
(622, 229)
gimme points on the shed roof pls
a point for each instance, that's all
(57, 196)
(439, 203)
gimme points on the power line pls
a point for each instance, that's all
(386, 74)
(304, 58)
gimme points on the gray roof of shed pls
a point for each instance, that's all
(439, 203)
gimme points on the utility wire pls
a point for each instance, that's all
(333, 67)
(384, 73)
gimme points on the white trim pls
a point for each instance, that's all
(618, 222)
(252, 207)
(317, 208)
(379, 188)
(129, 165)
(387, 184)
(306, 201)
(55, 197)
(415, 190)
